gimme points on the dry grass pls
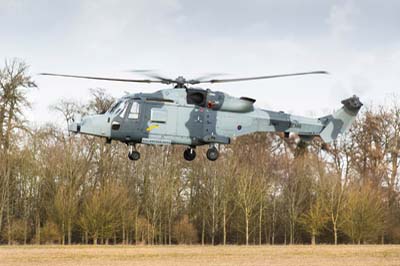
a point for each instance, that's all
(198, 255)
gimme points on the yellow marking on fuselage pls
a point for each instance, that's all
(150, 128)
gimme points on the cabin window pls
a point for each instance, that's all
(134, 113)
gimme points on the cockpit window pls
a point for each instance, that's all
(121, 110)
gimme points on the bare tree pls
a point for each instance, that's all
(364, 212)
(13, 81)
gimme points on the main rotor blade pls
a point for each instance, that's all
(263, 77)
(152, 74)
(204, 79)
(101, 78)
(161, 78)
(141, 70)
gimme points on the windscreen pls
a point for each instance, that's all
(122, 106)
(117, 107)
(114, 106)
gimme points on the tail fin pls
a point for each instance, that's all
(341, 120)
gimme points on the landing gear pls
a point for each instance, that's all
(189, 154)
(212, 153)
(133, 154)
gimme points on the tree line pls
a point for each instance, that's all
(57, 187)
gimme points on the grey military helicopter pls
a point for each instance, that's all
(193, 116)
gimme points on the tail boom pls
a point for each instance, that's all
(340, 121)
(327, 127)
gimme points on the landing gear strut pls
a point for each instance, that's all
(133, 154)
(212, 153)
(189, 154)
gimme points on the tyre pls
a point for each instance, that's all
(134, 155)
(189, 154)
(212, 154)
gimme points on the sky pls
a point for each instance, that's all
(357, 42)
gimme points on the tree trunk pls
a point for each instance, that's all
(169, 232)
(37, 228)
(285, 236)
(128, 236)
(260, 225)
(158, 240)
(212, 230)
(9, 236)
(63, 234)
(224, 225)
(69, 229)
(247, 228)
(153, 233)
(1, 216)
(291, 233)
(203, 225)
(136, 229)
(8, 217)
(313, 235)
(273, 221)
(25, 231)
(213, 216)
(123, 232)
(148, 233)
(335, 233)
(273, 238)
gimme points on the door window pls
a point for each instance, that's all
(135, 109)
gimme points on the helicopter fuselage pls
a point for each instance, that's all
(193, 117)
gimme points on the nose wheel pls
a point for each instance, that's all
(133, 154)
(189, 154)
(212, 153)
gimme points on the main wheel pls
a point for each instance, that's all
(134, 155)
(212, 154)
(189, 154)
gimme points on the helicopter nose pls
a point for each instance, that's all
(95, 125)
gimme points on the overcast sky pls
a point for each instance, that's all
(358, 42)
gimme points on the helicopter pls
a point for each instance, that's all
(193, 116)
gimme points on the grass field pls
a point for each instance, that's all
(198, 255)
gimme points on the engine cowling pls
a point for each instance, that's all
(241, 105)
(219, 101)
(229, 103)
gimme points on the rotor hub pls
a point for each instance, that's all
(180, 82)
